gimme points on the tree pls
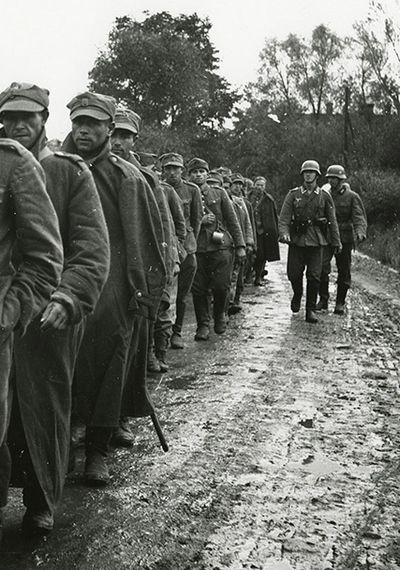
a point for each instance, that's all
(379, 38)
(165, 68)
(296, 75)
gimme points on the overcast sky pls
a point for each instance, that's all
(54, 43)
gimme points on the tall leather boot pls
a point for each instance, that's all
(96, 447)
(340, 299)
(322, 304)
(201, 309)
(161, 342)
(295, 303)
(311, 301)
(220, 307)
(152, 361)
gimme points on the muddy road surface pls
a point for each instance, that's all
(284, 440)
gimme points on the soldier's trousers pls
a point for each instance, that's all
(308, 259)
(343, 264)
(185, 280)
(214, 272)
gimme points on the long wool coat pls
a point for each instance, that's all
(45, 361)
(131, 295)
(27, 219)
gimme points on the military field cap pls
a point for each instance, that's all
(24, 97)
(195, 163)
(215, 176)
(171, 159)
(127, 120)
(237, 178)
(95, 105)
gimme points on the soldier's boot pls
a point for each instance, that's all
(297, 295)
(176, 337)
(201, 309)
(122, 435)
(340, 299)
(219, 309)
(153, 364)
(322, 304)
(161, 343)
(311, 301)
(259, 273)
(162, 359)
(177, 340)
(96, 447)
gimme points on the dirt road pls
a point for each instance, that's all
(283, 450)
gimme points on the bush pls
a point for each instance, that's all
(380, 192)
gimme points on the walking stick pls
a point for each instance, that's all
(159, 431)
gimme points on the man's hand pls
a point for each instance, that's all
(240, 253)
(360, 238)
(337, 249)
(208, 219)
(55, 316)
(284, 238)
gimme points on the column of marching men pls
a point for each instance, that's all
(99, 256)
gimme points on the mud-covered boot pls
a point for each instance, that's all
(153, 364)
(162, 359)
(220, 303)
(295, 303)
(340, 299)
(311, 298)
(122, 435)
(201, 309)
(322, 304)
(177, 341)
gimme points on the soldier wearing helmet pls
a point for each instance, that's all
(305, 215)
(352, 221)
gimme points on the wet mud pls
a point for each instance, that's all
(283, 439)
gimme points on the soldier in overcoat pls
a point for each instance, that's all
(45, 355)
(172, 168)
(27, 221)
(306, 213)
(220, 239)
(266, 223)
(117, 331)
(352, 221)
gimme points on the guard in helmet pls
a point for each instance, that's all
(352, 222)
(306, 213)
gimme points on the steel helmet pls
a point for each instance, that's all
(310, 165)
(337, 171)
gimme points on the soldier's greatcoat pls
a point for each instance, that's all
(131, 295)
(28, 220)
(45, 361)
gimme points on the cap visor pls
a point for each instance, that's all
(25, 105)
(126, 127)
(173, 163)
(90, 112)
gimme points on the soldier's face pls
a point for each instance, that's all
(23, 127)
(198, 176)
(260, 185)
(334, 182)
(172, 173)
(122, 142)
(90, 134)
(237, 189)
(309, 176)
